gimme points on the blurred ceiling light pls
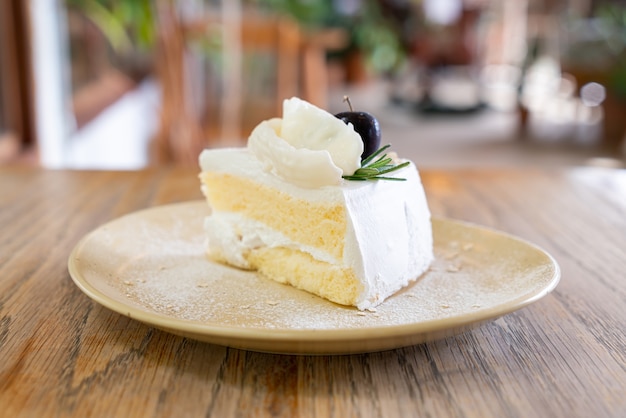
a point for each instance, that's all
(592, 94)
(443, 12)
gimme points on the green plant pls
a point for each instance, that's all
(371, 31)
(128, 25)
(598, 45)
(612, 28)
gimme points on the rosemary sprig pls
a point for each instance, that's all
(376, 166)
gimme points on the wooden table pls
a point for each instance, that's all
(61, 354)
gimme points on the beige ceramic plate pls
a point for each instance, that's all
(150, 265)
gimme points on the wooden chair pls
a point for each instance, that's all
(226, 114)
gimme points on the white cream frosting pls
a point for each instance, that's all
(392, 234)
(388, 239)
(308, 147)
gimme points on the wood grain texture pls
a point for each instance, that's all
(565, 356)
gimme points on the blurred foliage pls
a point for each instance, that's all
(598, 44)
(372, 32)
(612, 28)
(127, 24)
(310, 14)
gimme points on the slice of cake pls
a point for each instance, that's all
(282, 206)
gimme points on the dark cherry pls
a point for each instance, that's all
(366, 126)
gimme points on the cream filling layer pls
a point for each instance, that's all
(233, 236)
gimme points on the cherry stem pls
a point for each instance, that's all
(347, 100)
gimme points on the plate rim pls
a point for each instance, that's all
(208, 329)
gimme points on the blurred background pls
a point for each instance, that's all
(125, 84)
